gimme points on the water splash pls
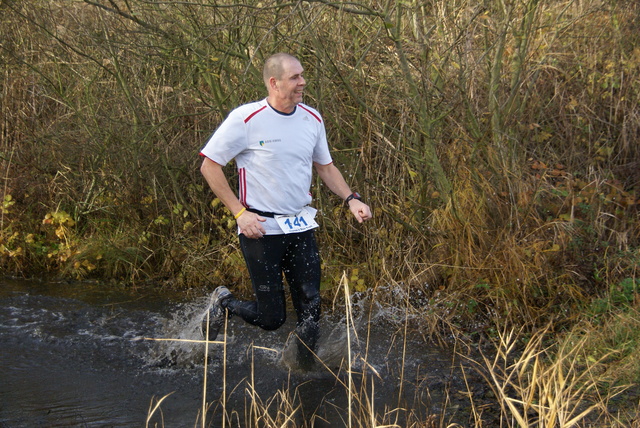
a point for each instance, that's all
(60, 352)
(179, 339)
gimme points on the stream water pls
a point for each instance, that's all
(87, 355)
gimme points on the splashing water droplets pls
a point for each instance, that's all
(181, 343)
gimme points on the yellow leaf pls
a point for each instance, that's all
(555, 247)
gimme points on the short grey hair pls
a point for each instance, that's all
(273, 66)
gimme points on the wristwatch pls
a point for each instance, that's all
(354, 195)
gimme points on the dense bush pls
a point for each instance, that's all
(495, 141)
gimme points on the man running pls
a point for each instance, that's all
(276, 143)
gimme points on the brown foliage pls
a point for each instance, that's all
(495, 142)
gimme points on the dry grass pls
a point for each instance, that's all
(534, 383)
(441, 155)
(540, 387)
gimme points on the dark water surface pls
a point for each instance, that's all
(80, 355)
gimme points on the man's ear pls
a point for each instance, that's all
(273, 83)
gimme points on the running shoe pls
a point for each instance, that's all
(216, 312)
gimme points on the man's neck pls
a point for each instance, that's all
(283, 109)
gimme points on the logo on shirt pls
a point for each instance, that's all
(263, 142)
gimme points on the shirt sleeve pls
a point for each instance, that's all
(227, 141)
(321, 153)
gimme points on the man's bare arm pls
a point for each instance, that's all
(248, 222)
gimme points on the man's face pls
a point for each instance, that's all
(290, 87)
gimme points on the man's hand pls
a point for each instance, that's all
(360, 210)
(250, 225)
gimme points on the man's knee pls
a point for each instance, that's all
(311, 295)
(272, 322)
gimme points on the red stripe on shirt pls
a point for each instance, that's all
(254, 113)
(242, 188)
(310, 112)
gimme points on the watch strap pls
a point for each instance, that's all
(354, 195)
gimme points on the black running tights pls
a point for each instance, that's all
(268, 258)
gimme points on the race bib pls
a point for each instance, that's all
(300, 222)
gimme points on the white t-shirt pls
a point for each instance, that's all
(274, 154)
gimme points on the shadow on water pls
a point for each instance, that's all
(81, 355)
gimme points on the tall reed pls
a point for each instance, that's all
(534, 383)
